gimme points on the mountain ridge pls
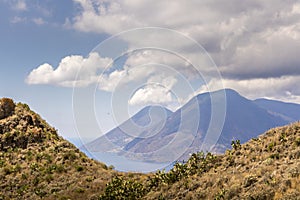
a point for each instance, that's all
(244, 119)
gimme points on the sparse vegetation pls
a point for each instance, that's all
(37, 163)
(120, 188)
(236, 145)
(241, 173)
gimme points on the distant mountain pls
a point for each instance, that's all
(288, 111)
(245, 119)
(119, 137)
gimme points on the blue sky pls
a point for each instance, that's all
(254, 47)
(25, 45)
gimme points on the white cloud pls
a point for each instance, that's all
(152, 94)
(107, 18)
(254, 44)
(66, 74)
(157, 90)
(19, 5)
(17, 19)
(284, 88)
(234, 34)
(143, 67)
(38, 21)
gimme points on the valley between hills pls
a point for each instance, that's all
(37, 163)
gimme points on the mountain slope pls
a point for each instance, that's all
(119, 137)
(288, 111)
(244, 120)
(267, 167)
(36, 163)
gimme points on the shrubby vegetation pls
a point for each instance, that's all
(35, 163)
(267, 167)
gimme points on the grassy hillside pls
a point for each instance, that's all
(36, 163)
(267, 167)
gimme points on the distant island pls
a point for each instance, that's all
(148, 130)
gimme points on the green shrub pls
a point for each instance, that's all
(220, 195)
(70, 156)
(120, 188)
(49, 178)
(24, 176)
(250, 180)
(271, 146)
(198, 163)
(34, 166)
(274, 156)
(297, 141)
(79, 168)
(236, 145)
(79, 190)
(282, 137)
(24, 106)
(90, 178)
(36, 181)
(7, 170)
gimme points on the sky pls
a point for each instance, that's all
(87, 65)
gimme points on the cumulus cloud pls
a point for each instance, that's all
(248, 39)
(151, 94)
(254, 44)
(157, 90)
(19, 5)
(283, 88)
(38, 21)
(72, 71)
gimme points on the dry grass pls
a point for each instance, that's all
(264, 168)
(36, 163)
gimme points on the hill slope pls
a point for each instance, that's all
(267, 167)
(37, 163)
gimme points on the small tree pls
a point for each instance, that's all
(236, 144)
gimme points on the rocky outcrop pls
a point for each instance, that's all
(21, 126)
(7, 107)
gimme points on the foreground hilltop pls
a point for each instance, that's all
(37, 163)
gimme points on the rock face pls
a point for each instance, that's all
(19, 126)
(7, 107)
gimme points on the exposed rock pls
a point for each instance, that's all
(7, 107)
